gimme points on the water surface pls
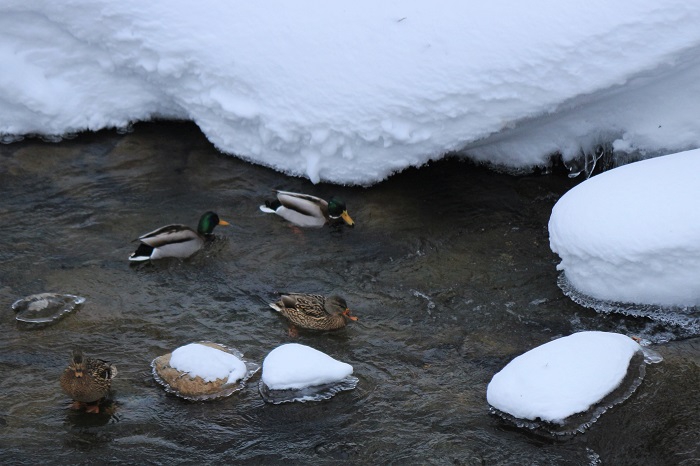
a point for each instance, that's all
(448, 268)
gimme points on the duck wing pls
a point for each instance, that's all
(104, 369)
(303, 203)
(169, 234)
(309, 304)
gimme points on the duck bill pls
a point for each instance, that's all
(347, 218)
(224, 223)
(346, 313)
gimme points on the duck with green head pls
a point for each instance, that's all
(176, 240)
(308, 211)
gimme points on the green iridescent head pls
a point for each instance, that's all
(337, 209)
(208, 222)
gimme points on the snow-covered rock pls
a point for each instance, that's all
(203, 371)
(631, 234)
(295, 372)
(294, 366)
(562, 377)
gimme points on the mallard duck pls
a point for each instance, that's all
(314, 311)
(307, 211)
(176, 240)
(87, 381)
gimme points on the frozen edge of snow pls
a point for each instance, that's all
(680, 317)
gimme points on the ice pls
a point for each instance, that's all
(351, 92)
(563, 377)
(666, 322)
(45, 308)
(629, 235)
(310, 393)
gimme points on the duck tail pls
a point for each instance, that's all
(271, 206)
(143, 253)
(276, 307)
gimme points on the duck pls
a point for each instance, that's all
(313, 311)
(305, 210)
(87, 381)
(176, 240)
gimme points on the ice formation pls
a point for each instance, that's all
(45, 308)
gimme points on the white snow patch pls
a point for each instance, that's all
(208, 363)
(295, 366)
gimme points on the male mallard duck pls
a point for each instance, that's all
(176, 240)
(87, 381)
(307, 211)
(314, 311)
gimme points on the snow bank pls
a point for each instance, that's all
(351, 92)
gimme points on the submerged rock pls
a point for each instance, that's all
(203, 371)
(45, 308)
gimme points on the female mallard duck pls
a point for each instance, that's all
(307, 211)
(87, 381)
(314, 311)
(176, 240)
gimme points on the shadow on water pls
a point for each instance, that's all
(448, 268)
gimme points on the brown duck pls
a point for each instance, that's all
(314, 311)
(87, 380)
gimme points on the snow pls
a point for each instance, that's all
(563, 377)
(352, 91)
(208, 363)
(631, 234)
(295, 366)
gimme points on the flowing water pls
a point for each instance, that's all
(448, 268)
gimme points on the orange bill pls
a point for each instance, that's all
(347, 218)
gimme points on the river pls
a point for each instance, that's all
(448, 269)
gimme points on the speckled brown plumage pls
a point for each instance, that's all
(314, 311)
(87, 380)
